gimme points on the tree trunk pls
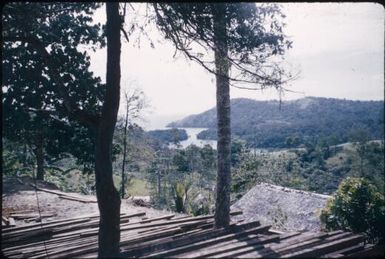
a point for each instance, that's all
(222, 204)
(124, 149)
(25, 163)
(108, 196)
(39, 153)
(158, 174)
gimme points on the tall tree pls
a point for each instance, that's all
(244, 36)
(32, 115)
(108, 196)
(53, 34)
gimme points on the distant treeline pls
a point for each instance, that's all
(168, 135)
(269, 124)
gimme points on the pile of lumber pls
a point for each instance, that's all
(182, 237)
(26, 215)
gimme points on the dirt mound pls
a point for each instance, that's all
(283, 208)
(16, 184)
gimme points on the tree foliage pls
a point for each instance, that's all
(34, 113)
(49, 36)
(177, 176)
(169, 135)
(255, 39)
(357, 206)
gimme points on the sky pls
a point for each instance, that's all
(338, 48)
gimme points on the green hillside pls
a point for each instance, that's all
(269, 124)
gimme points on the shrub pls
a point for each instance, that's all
(358, 207)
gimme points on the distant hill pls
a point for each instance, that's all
(267, 124)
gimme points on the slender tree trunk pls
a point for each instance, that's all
(222, 204)
(158, 174)
(124, 148)
(108, 196)
(39, 153)
(25, 163)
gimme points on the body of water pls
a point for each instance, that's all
(192, 139)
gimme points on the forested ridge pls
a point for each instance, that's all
(269, 124)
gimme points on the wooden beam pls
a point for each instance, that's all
(327, 247)
(205, 243)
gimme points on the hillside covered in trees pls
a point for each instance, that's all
(269, 124)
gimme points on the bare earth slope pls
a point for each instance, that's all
(18, 197)
(284, 208)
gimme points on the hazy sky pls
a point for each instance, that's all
(338, 48)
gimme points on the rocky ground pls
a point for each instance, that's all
(19, 195)
(284, 208)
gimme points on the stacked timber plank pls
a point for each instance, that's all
(175, 237)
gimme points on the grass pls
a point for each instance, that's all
(137, 187)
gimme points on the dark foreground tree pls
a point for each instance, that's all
(53, 32)
(108, 196)
(32, 114)
(244, 37)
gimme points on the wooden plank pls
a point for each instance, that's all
(231, 246)
(305, 244)
(176, 241)
(33, 215)
(22, 211)
(342, 252)
(131, 226)
(261, 251)
(253, 248)
(38, 233)
(11, 222)
(37, 244)
(72, 198)
(32, 219)
(61, 193)
(328, 247)
(183, 226)
(89, 248)
(370, 251)
(205, 243)
(288, 241)
(44, 224)
(72, 244)
(168, 242)
(52, 248)
(4, 219)
(24, 231)
(157, 218)
(169, 222)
